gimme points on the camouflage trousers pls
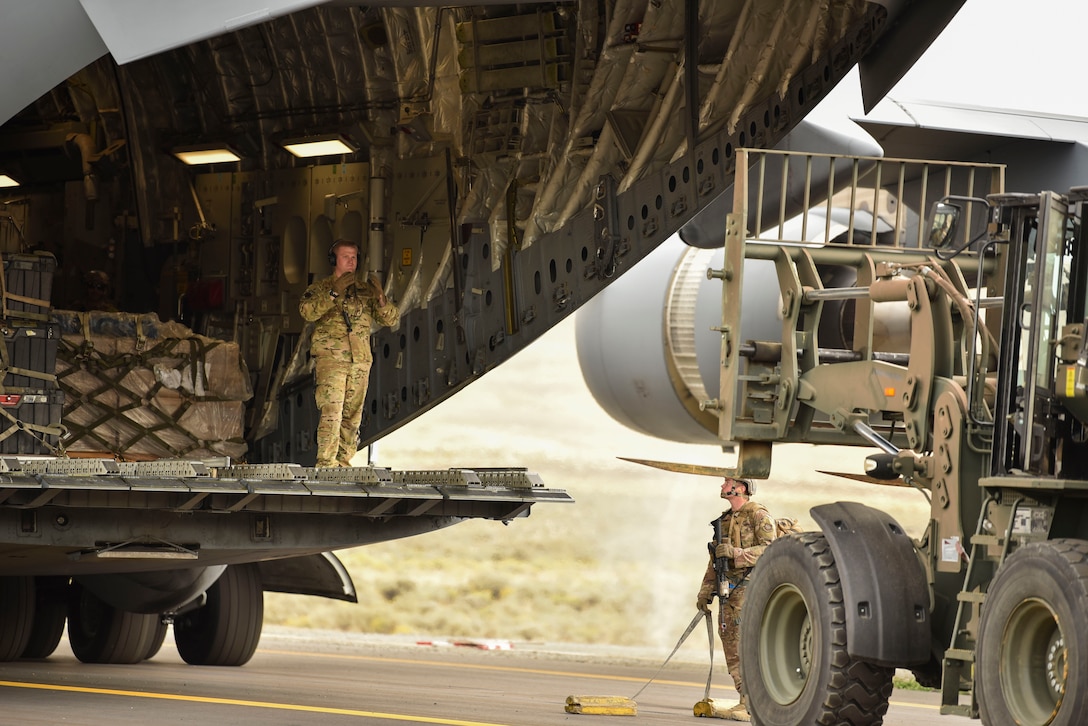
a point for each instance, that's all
(341, 391)
(729, 630)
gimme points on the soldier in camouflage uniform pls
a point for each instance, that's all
(747, 528)
(343, 310)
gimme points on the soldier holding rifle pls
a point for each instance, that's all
(741, 535)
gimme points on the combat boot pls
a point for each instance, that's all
(740, 711)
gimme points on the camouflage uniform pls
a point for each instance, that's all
(749, 529)
(340, 347)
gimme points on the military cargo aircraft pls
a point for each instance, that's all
(500, 164)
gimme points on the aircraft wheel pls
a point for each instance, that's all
(793, 643)
(16, 615)
(100, 633)
(50, 612)
(157, 639)
(1033, 649)
(224, 632)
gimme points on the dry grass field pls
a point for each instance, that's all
(620, 566)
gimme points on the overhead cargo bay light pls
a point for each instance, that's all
(319, 145)
(206, 154)
(7, 181)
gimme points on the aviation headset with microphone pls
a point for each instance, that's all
(341, 243)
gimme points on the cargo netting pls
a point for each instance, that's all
(139, 388)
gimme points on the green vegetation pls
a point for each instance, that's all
(907, 683)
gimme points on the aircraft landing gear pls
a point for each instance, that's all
(16, 615)
(101, 633)
(226, 630)
(50, 613)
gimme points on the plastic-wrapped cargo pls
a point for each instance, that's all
(137, 388)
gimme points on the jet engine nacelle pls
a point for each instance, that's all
(650, 351)
(646, 346)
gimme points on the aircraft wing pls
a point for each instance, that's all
(1042, 151)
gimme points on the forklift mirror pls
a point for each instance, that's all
(942, 227)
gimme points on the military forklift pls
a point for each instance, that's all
(979, 401)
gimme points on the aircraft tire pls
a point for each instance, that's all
(1033, 649)
(50, 613)
(226, 631)
(16, 615)
(100, 633)
(793, 653)
(157, 639)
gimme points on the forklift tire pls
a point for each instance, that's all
(1033, 648)
(793, 650)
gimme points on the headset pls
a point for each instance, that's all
(341, 243)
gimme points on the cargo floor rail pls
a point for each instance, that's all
(180, 486)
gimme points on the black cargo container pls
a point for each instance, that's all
(28, 286)
(29, 356)
(30, 421)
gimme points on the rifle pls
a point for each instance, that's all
(721, 565)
